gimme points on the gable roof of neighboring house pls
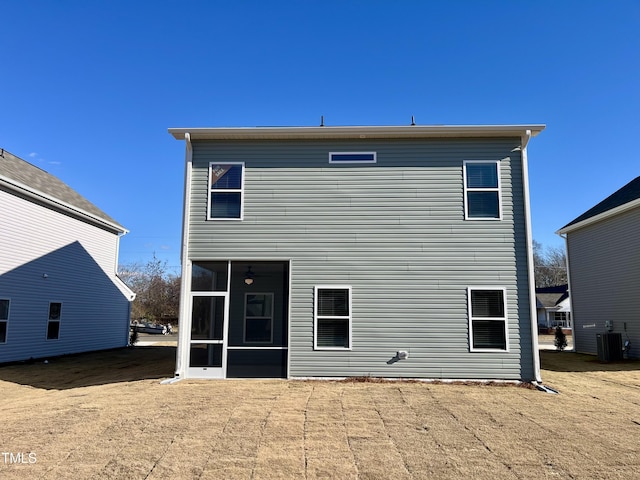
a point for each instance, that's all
(625, 198)
(28, 180)
(549, 297)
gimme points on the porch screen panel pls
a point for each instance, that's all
(207, 318)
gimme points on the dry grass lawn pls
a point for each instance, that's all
(105, 415)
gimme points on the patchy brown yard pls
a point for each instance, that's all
(105, 415)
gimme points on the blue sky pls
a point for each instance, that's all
(89, 88)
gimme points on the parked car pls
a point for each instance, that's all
(150, 328)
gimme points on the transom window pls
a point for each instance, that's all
(487, 319)
(53, 324)
(352, 157)
(4, 319)
(258, 318)
(226, 182)
(332, 322)
(482, 190)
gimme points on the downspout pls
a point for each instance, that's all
(182, 353)
(565, 237)
(535, 354)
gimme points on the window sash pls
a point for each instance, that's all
(482, 190)
(488, 326)
(53, 321)
(332, 322)
(4, 319)
(4, 309)
(258, 318)
(226, 191)
(352, 157)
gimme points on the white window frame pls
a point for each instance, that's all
(497, 189)
(50, 320)
(331, 160)
(504, 319)
(270, 317)
(316, 317)
(211, 190)
(6, 320)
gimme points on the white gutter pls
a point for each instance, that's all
(182, 353)
(571, 310)
(59, 204)
(355, 132)
(532, 285)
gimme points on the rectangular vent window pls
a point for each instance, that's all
(352, 157)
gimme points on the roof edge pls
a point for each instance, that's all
(36, 194)
(359, 132)
(598, 218)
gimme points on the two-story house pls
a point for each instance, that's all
(59, 291)
(386, 251)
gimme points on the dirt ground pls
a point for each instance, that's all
(106, 416)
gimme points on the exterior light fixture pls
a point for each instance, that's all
(248, 276)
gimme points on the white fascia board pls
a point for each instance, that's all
(355, 132)
(78, 212)
(600, 217)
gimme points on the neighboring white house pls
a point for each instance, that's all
(603, 255)
(389, 251)
(554, 307)
(59, 291)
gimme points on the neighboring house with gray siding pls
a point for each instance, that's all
(59, 292)
(400, 251)
(603, 256)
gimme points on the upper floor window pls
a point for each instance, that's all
(482, 199)
(4, 319)
(226, 182)
(352, 157)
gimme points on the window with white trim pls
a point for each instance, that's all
(352, 157)
(53, 324)
(332, 318)
(487, 319)
(226, 191)
(482, 190)
(258, 318)
(4, 319)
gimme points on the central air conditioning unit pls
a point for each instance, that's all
(609, 346)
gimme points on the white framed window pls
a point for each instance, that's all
(4, 319)
(352, 157)
(258, 317)
(482, 190)
(487, 319)
(332, 318)
(53, 323)
(226, 191)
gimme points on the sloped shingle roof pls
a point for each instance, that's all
(24, 176)
(628, 193)
(551, 296)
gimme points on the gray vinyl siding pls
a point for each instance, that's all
(604, 262)
(79, 262)
(395, 232)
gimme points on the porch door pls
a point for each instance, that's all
(207, 345)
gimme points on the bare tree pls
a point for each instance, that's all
(550, 265)
(157, 290)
